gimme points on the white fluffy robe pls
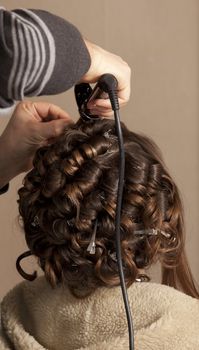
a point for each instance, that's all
(37, 317)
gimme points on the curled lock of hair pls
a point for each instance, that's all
(29, 277)
(74, 182)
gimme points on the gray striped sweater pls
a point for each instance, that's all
(40, 54)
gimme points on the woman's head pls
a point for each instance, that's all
(72, 190)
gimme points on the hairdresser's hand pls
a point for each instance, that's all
(32, 125)
(105, 62)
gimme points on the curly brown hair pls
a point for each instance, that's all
(74, 182)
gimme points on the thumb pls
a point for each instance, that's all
(54, 128)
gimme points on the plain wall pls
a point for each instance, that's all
(160, 41)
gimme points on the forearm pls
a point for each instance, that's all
(41, 54)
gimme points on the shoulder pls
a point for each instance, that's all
(23, 291)
(4, 344)
(23, 286)
(162, 300)
(172, 318)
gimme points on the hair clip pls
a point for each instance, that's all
(35, 222)
(151, 232)
(165, 234)
(113, 255)
(108, 134)
(70, 222)
(92, 244)
(142, 278)
(102, 195)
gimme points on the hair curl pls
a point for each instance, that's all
(74, 182)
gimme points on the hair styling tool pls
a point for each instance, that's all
(107, 88)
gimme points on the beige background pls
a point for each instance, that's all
(160, 41)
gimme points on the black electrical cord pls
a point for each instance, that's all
(108, 84)
(115, 106)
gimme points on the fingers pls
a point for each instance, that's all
(56, 120)
(124, 84)
(103, 103)
(37, 122)
(102, 114)
(103, 62)
(52, 129)
(30, 128)
(44, 111)
(102, 107)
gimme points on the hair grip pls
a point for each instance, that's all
(35, 222)
(151, 232)
(92, 244)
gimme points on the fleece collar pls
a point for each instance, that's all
(35, 316)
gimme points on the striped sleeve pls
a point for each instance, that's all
(40, 54)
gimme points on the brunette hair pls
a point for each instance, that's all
(74, 183)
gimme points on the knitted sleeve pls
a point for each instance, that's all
(40, 54)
